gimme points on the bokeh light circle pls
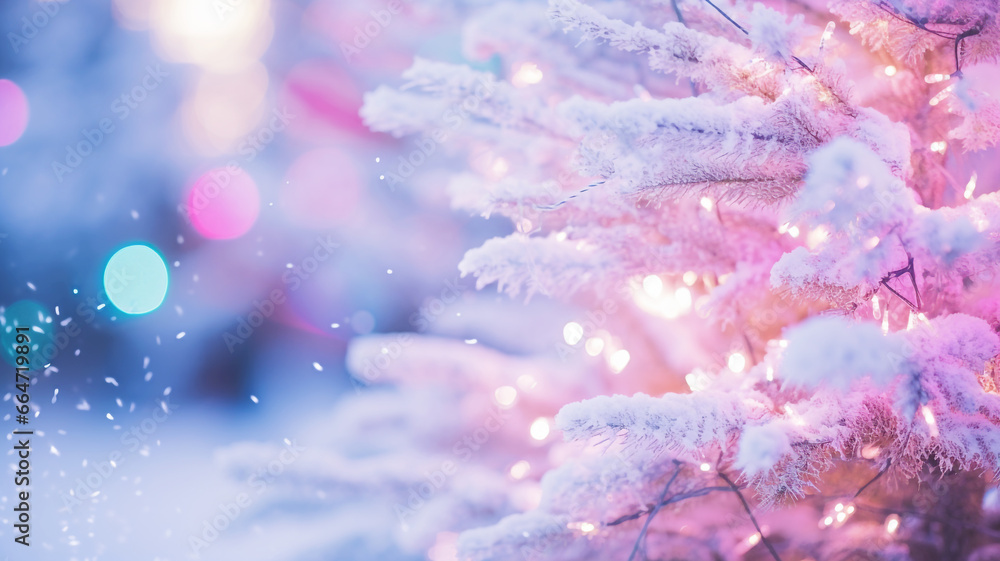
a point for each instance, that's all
(314, 197)
(36, 317)
(222, 204)
(136, 279)
(14, 109)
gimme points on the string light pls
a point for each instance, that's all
(931, 421)
(770, 373)
(652, 285)
(505, 395)
(594, 346)
(619, 360)
(890, 70)
(520, 469)
(941, 95)
(935, 78)
(539, 428)
(526, 75)
(690, 278)
(707, 204)
(939, 146)
(876, 309)
(572, 333)
(892, 523)
(737, 362)
(970, 187)
(793, 231)
(705, 467)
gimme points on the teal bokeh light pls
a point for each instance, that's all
(136, 279)
(38, 320)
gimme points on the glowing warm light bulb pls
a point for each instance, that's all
(586, 527)
(793, 231)
(970, 187)
(683, 299)
(737, 362)
(939, 146)
(499, 168)
(931, 421)
(754, 539)
(839, 507)
(770, 374)
(705, 467)
(505, 395)
(876, 309)
(619, 360)
(890, 70)
(572, 333)
(652, 285)
(594, 346)
(540, 428)
(690, 278)
(707, 204)
(841, 517)
(828, 521)
(885, 323)
(892, 523)
(520, 469)
(526, 75)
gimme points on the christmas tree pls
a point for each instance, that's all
(779, 232)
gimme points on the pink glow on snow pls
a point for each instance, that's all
(14, 108)
(223, 205)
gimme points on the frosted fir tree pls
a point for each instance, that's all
(785, 270)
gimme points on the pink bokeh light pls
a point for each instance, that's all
(223, 204)
(321, 189)
(14, 108)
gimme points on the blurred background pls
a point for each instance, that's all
(195, 222)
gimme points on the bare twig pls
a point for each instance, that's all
(659, 503)
(746, 507)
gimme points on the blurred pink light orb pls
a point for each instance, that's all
(321, 189)
(223, 204)
(14, 111)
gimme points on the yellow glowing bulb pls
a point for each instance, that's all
(619, 360)
(754, 538)
(707, 204)
(572, 333)
(828, 520)
(892, 523)
(705, 467)
(652, 285)
(737, 362)
(505, 395)
(520, 469)
(527, 75)
(793, 231)
(841, 517)
(890, 70)
(690, 278)
(586, 527)
(540, 428)
(971, 186)
(594, 346)
(839, 507)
